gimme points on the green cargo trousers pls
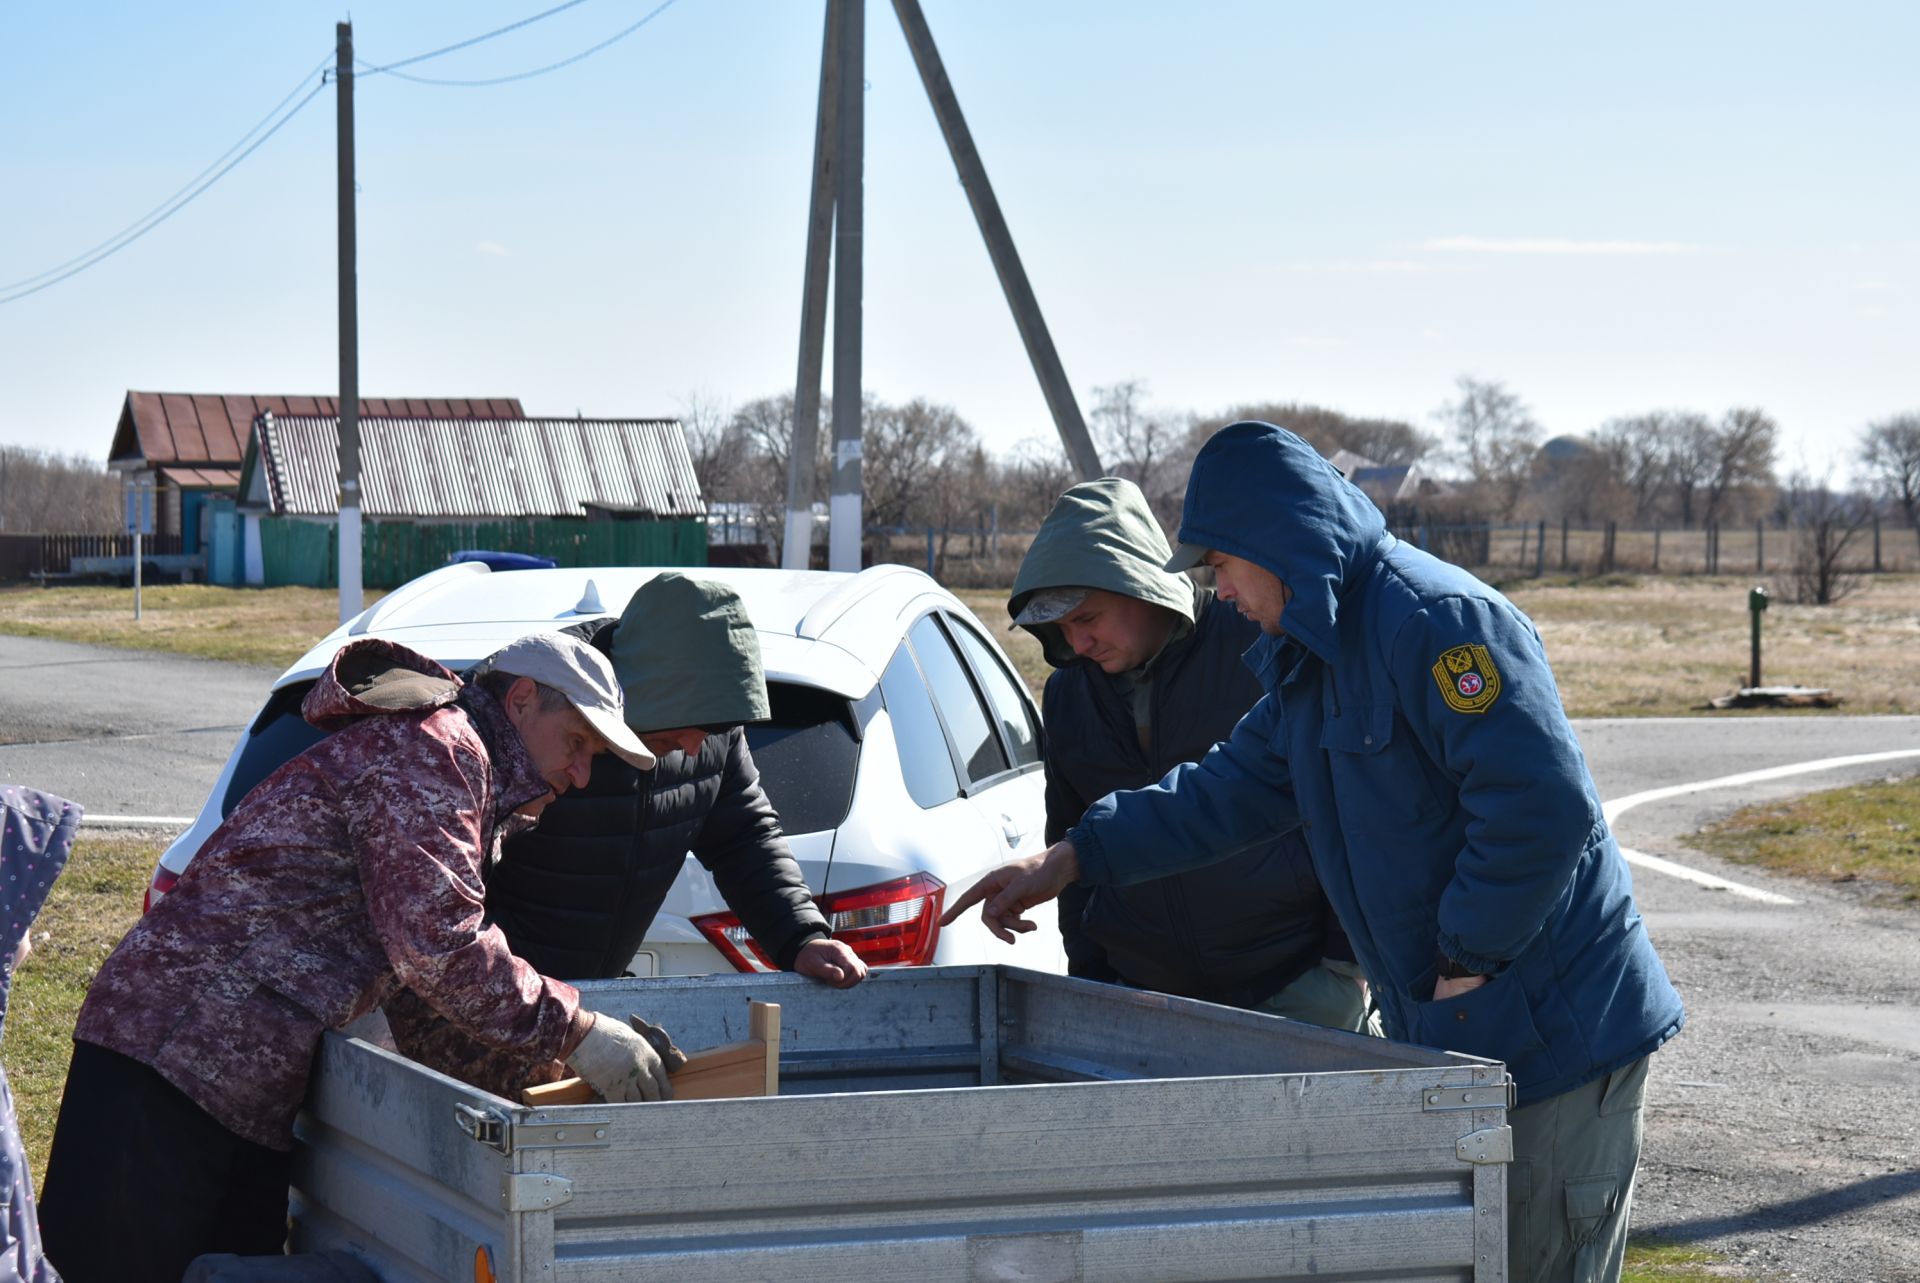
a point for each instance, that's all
(1331, 994)
(1570, 1185)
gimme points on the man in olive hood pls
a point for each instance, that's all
(576, 895)
(1147, 676)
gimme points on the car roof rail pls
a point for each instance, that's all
(823, 613)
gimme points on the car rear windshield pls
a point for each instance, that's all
(807, 753)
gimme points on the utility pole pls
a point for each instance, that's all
(349, 529)
(836, 208)
(993, 229)
(796, 549)
(844, 514)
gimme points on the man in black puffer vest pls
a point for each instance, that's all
(576, 895)
(1148, 675)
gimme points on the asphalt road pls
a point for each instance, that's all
(122, 732)
(1783, 1125)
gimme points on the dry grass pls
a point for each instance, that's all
(271, 626)
(1864, 833)
(90, 908)
(1627, 645)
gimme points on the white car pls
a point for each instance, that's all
(903, 755)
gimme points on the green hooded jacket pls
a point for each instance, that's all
(1101, 534)
(686, 655)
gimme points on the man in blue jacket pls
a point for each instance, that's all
(1412, 729)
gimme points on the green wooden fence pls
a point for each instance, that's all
(305, 553)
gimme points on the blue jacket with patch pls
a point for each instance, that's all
(1411, 725)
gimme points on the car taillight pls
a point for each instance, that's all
(888, 924)
(163, 880)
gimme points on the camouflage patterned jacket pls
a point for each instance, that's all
(351, 871)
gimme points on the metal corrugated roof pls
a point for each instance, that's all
(201, 478)
(480, 468)
(190, 428)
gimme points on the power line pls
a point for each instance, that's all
(108, 249)
(134, 227)
(466, 44)
(518, 75)
(226, 162)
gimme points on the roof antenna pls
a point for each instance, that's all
(589, 603)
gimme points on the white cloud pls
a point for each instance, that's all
(493, 248)
(1491, 245)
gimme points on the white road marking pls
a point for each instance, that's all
(1619, 806)
(137, 821)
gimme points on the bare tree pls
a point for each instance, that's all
(1826, 526)
(1740, 454)
(1635, 448)
(47, 493)
(761, 433)
(719, 453)
(1495, 436)
(1385, 441)
(1691, 452)
(903, 448)
(1032, 477)
(959, 493)
(1140, 445)
(1890, 454)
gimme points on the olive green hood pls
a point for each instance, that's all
(1100, 534)
(686, 655)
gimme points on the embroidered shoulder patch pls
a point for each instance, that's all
(1467, 678)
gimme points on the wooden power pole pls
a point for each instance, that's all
(349, 527)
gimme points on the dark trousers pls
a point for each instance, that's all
(140, 1180)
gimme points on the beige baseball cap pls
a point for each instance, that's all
(585, 677)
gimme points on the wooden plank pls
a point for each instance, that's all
(568, 1091)
(763, 1023)
(729, 1071)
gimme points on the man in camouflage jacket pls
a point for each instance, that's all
(351, 871)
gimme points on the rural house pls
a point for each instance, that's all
(191, 445)
(581, 491)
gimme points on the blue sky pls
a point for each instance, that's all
(1611, 208)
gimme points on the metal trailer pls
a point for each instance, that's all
(965, 1123)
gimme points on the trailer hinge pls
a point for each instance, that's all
(532, 1191)
(1436, 1100)
(1488, 1145)
(534, 1131)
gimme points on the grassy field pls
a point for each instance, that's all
(1864, 833)
(271, 626)
(90, 908)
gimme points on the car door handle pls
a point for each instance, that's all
(1011, 830)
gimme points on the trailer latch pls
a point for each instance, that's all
(531, 1191)
(484, 1126)
(534, 1131)
(1488, 1145)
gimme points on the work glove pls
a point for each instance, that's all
(621, 1063)
(662, 1042)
